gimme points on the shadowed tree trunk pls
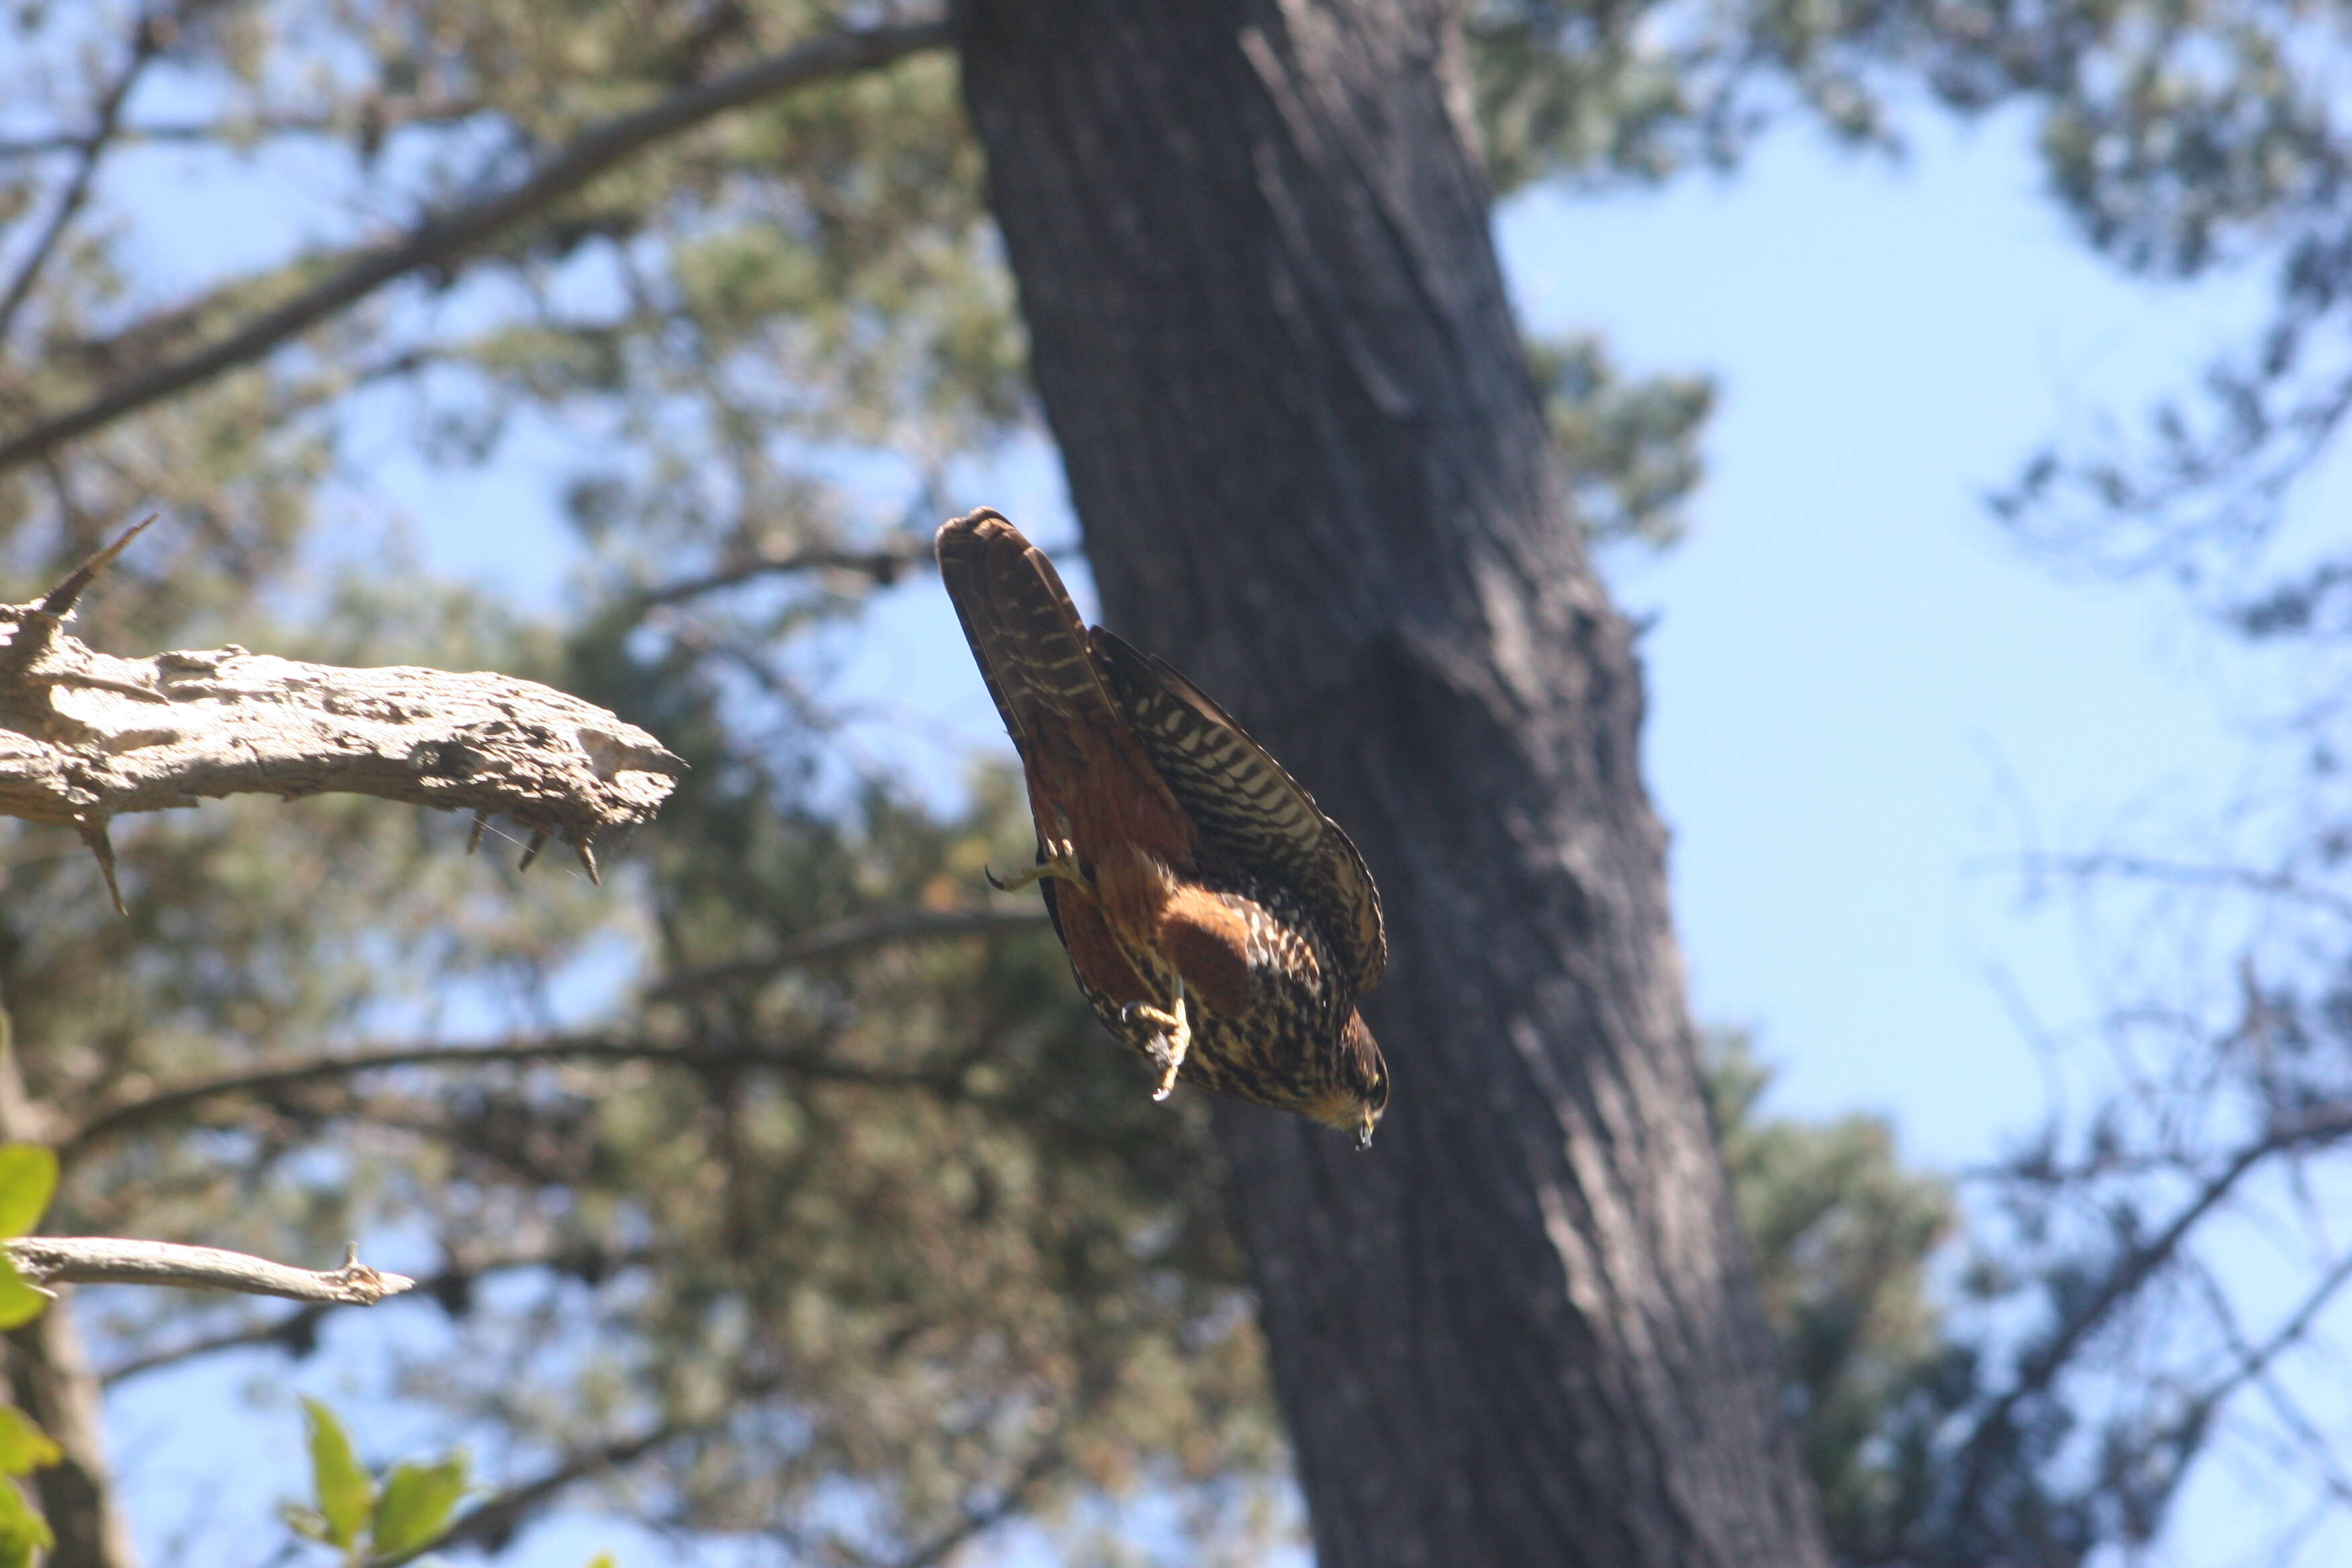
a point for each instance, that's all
(1270, 332)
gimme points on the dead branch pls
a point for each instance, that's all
(86, 737)
(296, 1331)
(106, 1260)
(450, 233)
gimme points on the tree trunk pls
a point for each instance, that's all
(51, 1381)
(1251, 237)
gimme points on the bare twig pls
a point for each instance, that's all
(2122, 1282)
(107, 1261)
(145, 41)
(378, 116)
(859, 931)
(884, 567)
(2255, 1360)
(61, 599)
(86, 737)
(438, 239)
(2278, 884)
(295, 1330)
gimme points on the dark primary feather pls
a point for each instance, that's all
(1025, 633)
(1246, 805)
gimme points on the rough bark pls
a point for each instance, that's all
(1251, 237)
(50, 1379)
(85, 737)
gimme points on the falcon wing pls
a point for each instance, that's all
(1245, 804)
(1077, 750)
(1025, 633)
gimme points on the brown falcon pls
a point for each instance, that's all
(1218, 922)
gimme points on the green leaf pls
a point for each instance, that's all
(23, 1446)
(28, 1178)
(20, 1302)
(343, 1489)
(415, 1504)
(23, 1531)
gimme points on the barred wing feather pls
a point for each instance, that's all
(1245, 804)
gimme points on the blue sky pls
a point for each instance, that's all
(1865, 700)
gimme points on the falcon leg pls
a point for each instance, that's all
(1175, 1037)
(1061, 860)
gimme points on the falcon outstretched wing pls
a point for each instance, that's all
(1246, 805)
(1077, 750)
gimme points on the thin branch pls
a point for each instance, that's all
(378, 116)
(496, 1519)
(1048, 1459)
(107, 1261)
(438, 239)
(2122, 1282)
(2256, 1366)
(145, 42)
(293, 1333)
(2268, 884)
(2254, 1360)
(884, 567)
(859, 931)
(170, 1101)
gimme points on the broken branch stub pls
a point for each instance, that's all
(86, 737)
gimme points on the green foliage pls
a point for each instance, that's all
(2180, 138)
(368, 1523)
(1631, 449)
(23, 1448)
(895, 1223)
(887, 1231)
(339, 1488)
(28, 1178)
(1842, 1234)
(416, 1505)
(23, 1532)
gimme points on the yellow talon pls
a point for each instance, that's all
(1176, 1037)
(1061, 859)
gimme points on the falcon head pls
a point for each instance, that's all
(1359, 1092)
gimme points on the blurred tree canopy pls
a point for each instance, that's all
(799, 1199)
